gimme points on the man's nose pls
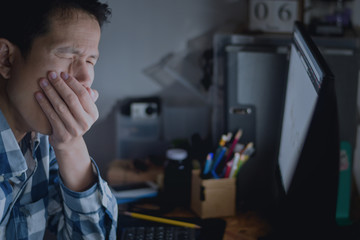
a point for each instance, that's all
(80, 70)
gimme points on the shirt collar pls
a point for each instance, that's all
(12, 161)
(35, 141)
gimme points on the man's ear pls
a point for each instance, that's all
(6, 58)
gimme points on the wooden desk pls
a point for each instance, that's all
(243, 226)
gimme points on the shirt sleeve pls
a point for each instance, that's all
(76, 215)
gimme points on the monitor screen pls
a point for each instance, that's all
(307, 71)
(308, 156)
(304, 79)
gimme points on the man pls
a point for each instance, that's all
(48, 49)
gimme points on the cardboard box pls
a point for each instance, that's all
(212, 197)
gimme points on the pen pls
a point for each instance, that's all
(247, 147)
(235, 141)
(249, 151)
(161, 220)
(223, 140)
(228, 168)
(228, 137)
(222, 143)
(208, 162)
(238, 148)
(217, 162)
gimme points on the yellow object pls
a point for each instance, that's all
(161, 220)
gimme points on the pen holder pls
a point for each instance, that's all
(212, 197)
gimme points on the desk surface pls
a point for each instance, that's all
(243, 226)
(247, 226)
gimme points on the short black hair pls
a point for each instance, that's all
(21, 21)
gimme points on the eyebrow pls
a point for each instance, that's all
(74, 51)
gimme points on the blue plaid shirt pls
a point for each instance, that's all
(33, 197)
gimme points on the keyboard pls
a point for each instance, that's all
(157, 233)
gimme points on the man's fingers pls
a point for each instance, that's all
(52, 116)
(93, 94)
(86, 96)
(50, 87)
(53, 96)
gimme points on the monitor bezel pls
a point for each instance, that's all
(307, 48)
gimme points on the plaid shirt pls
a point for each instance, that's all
(33, 197)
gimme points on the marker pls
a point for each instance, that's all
(244, 156)
(234, 165)
(242, 160)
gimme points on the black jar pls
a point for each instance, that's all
(177, 177)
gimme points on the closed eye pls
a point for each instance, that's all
(91, 61)
(65, 56)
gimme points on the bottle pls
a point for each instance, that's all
(177, 177)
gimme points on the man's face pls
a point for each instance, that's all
(70, 46)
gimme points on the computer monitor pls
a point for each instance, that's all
(309, 149)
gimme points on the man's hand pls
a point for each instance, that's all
(69, 107)
(71, 110)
